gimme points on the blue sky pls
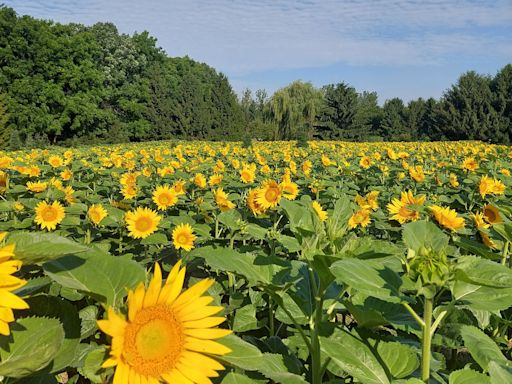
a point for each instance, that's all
(404, 48)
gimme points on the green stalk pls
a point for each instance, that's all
(314, 326)
(426, 340)
(504, 254)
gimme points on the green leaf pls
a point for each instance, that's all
(237, 378)
(231, 219)
(484, 272)
(33, 344)
(54, 307)
(426, 234)
(468, 376)
(369, 277)
(255, 269)
(245, 319)
(358, 361)
(250, 358)
(476, 248)
(481, 347)
(337, 222)
(92, 364)
(88, 316)
(400, 359)
(37, 247)
(482, 298)
(98, 274)
(499, 374)
(155, 239)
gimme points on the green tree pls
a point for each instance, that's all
(393, 125)
(5, 129)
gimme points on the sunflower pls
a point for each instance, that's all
(447, 217)
(365, 162)
(361, 217)
(485, 186)
(322, 215)
(454, 182)
(179, 187)
(4, 182)
(470, 164)
(369, 201)
(183, 237)
(36, 187)
(167, 336)
(247, 175)
(165, 197)
(200, 180)
(215, 179)
(129, 191)
(96, 213)
(479, 220)
(66, 174)
(252, 203)
(142, 222)
(221, 198)
(401, 212)
(49, 215)
(269, 194)
(55, 161)
(491, 214)
(290, 189)
(9, 283)
(417, 173)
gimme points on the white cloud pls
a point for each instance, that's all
(242, 36)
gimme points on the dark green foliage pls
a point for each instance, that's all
(5, 129)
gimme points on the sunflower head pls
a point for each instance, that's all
(96, 213)
(447, 217)
(322, 215)
(142, 222)
(49, 215)
(164, 197)
(269, 194)
(168, 336)
(491, 214)
(183, 237)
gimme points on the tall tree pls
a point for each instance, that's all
(393, 125)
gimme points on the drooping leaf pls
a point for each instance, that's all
(482, 348)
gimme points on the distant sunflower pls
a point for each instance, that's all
(361, 217)
(447, 217)
(167, 336)
(37, 187)
(252, 203)
(142, 222)
(183, 237)
(290, 189)
(322, 215)
(9, 283)
(49, 215)
(96, 213)
(222, 200)
(269, 194)
(492, 214)
(200, 180)
(247, 175)
(164, 197)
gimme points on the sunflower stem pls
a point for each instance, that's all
(504, 254)
(426, 340)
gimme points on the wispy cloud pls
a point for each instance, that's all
(240, 37)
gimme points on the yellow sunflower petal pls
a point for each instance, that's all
(176, 377)
(193, 373)
(154, 288)
(206, 346)
(193, 292)
(201, 313)
(122, 374)
(135, 300)
(204, 323)
(171, 291)
(207, 333)
(10, 300)
(202, 360)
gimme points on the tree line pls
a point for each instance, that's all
(72, 84)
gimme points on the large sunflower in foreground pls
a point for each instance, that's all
(168, 335)
(9, 283)
(142, 222)
(49, 215)
(269, 195)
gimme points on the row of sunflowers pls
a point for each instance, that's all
(198, 262)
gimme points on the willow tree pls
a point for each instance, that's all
(294, 110)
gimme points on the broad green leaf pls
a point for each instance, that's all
(476, 248)
(37, 247)
(65, 312)
(250, 358)
(255, 269)
(369, 277)
(354, 357)
(481, 347)
(88, 316)
(231, 219)
(480, 297)
(96, 273)
(33, 344)
(484, 272)
(92, 364)
(237, 378)
(337, 222)
(245, 319)
(155, 239)
(426, 234)
(468, 376)
(400, 359)
(499, 374)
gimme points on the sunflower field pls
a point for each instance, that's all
(200, 262)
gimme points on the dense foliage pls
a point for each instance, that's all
(70, 84)
(379, 263)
